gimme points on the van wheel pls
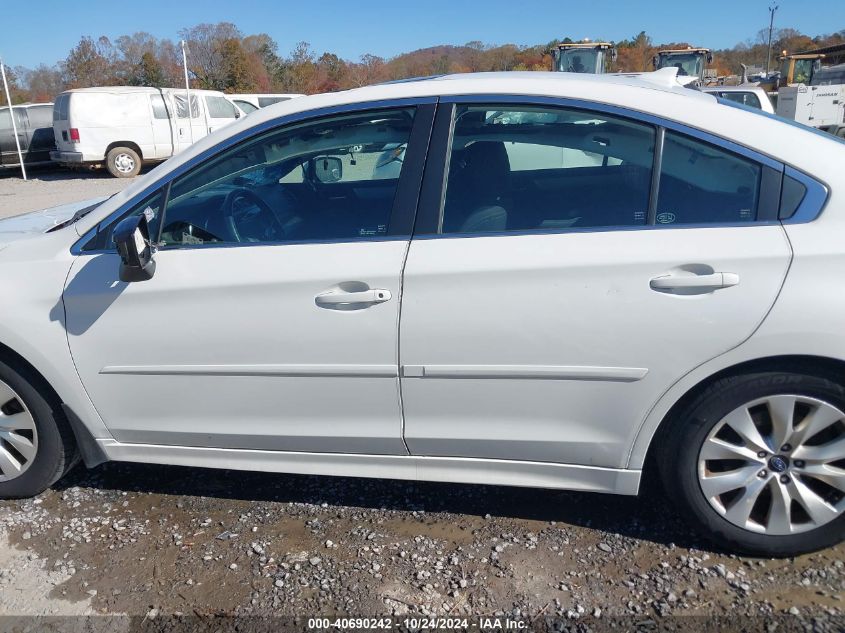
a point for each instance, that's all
(36, 444)
(123, 162)
(757, 462)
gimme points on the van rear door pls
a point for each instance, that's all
(61, 123)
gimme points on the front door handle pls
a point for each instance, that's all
(339, 298)
(693, 282)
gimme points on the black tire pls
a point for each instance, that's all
(117, 165)
(678, 454)
(56, 452)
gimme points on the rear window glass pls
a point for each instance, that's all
(60, 108)
(745, 98)
(40, 116)
(263, 102)
(701, 184)
(791, 196)
(515, 168)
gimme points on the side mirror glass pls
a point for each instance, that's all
(328, 169)
(132, 237)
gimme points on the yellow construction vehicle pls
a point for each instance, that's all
(584, 57)
(690, 62)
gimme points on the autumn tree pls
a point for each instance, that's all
(89, 63)
(206, 52)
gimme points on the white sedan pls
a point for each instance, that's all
(556, 280)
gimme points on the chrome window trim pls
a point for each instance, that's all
(256, 130)
(814, 200)
(599, 229)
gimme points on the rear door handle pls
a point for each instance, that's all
(702, 283)
(364, 298)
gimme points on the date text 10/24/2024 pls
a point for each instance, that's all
(485, 624)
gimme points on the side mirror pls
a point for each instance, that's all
(328, 169)
(654, 62)
(132, 237)
(709, 58)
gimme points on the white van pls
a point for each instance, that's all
(251, 103)
(124, 127)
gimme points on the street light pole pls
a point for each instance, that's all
(772, 9)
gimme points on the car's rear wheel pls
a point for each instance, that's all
(759, 462)
(123, 162)
(36, 445)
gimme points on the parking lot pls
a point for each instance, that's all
(145, 540)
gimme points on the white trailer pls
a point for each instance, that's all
(822, 107)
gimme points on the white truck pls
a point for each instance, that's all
(125, 127)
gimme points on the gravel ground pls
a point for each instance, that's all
(141, 540)
(147, 540)
(52, 187)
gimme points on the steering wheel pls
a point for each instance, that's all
(243, 206)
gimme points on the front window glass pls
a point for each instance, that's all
(687, 64)
(150, 206)
(803, 72)
(523, 168)
(577, 60)
(326, 180)
(220, 108)
(246, 106)
(701, 183)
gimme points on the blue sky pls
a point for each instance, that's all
(353, 27)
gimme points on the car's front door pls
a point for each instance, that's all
(563, 285)
(271, 320)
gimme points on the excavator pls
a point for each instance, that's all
(584, 57)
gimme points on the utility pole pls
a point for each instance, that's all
(772, 9)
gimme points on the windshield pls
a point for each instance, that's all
(803, 71)
(688, 64)
(578, 60)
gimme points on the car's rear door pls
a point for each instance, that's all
(578, 264)
(273, 332)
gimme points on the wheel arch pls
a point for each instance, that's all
(826, 367)
(86, 445)
(128, 144)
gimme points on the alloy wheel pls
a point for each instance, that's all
(18, 435)
(776, 465)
